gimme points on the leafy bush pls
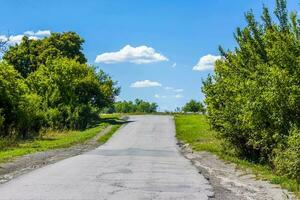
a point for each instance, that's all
(20, 110)
(47, 83)
(253, 99)
(287, 161)
(73, 93)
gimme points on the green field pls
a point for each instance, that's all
(59, 139)
(195, 130)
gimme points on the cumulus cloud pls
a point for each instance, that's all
(178, 90)
(173, 89)
(38, 33)
(136, 55)
(145, 84)
(169, 88)
(206, 63)
(177, 96)
(16, 39)
(160, 96)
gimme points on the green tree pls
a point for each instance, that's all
(253, 99)
(73, 93)
(194, 107)
(27, 56)
(138, 105)
(20, 113)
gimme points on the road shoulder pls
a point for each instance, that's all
(29, 162)
(232, 183)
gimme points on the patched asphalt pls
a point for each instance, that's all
(141, 161)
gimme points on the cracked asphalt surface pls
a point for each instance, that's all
(141, 161)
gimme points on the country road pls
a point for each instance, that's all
(141, 161)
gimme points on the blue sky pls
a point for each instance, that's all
(159, 34)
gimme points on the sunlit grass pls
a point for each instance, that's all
(195, 130)
(58, 139)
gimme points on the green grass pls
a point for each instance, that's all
(57, 139)
(195, 130)
(108, 135)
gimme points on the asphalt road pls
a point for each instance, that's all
(141, 161)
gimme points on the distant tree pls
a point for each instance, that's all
(177, 110)
(27, 56)
(194, 107)
(138, 105)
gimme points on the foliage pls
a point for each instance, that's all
(47, 83)
(73, 93)
(288, 161)
(138, 106)
(20, 110)
(253, 99)
(30, 54)
(194, 107)
(50, 140)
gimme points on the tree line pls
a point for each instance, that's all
(136, 106)
(47, 83)
(253, 98)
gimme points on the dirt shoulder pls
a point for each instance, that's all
(27, 163)
(232, 183)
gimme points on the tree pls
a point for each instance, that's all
(194, 107)
(253, 99)
(73, 93)
(20, 112)
(138, 105)
(27, 56)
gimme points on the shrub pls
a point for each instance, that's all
(253, 99)
(20, 109)
(287, 160)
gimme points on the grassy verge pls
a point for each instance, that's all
(55, 139)
(195, 130)
(108, 135)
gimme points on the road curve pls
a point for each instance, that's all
(141, 161)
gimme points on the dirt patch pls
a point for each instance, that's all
(27, 163)
(232, 183)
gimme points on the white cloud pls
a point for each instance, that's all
(136, 55)
(169, 88)
(16, 39)
(178, 90)
(38, 33)
(173, 89)
(178, 96)
(206, 62)
(160, 96)
(145, 84)
(174, 65)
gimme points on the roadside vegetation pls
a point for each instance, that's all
(137, 106)
(194, 129)
(50, 97)
(59, 139)
(253, 98)
(192, 106)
